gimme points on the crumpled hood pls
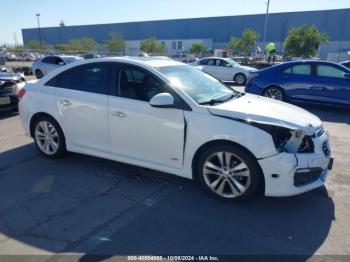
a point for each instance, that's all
(268, 111)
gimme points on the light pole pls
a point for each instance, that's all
(39, 30)
(266, 19)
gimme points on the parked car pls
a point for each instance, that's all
(2, 60)
(346, 64)
(316, 82)
(225, 69)
(91, 56)
(43, 66)
(10, 86)
(171, 117)
(10, 56)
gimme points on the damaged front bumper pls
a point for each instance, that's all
(288, 174)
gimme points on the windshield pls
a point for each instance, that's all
(199, 86)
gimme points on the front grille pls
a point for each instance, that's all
(325, 148)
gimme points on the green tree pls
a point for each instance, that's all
(62, 47)
(245, 43)
(116, 43)
(198, 48)
(151, 45)
(303, 41)
(35, 45)
(82, 45)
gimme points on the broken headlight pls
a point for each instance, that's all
(288, 140)
(306, 146)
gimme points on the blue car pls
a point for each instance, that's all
(313, 82)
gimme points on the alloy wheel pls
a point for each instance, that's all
(274, 93)
(226, 174)
(47, 137)
(240, 79)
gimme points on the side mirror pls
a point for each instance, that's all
(347, 76)
(162, 100)
(62, 63)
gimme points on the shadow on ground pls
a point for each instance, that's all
(101, 207)
(7, 114)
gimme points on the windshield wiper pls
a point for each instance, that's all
(218, 100)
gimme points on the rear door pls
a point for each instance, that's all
(335, 88)
(225, 70)
(209, 67)
(81, 100)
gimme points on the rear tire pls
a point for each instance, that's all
(275, 92)
(39, 74)
(228, 172)
(48, 137)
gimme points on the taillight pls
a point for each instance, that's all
(21, 93)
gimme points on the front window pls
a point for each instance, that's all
(48, 60)
(330, 71)
(137, 84)
(201, 87)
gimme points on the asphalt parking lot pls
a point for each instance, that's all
(86, 205)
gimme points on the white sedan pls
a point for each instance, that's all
(171, 117)
(48, 63)
(225, 69)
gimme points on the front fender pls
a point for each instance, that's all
(203, 128)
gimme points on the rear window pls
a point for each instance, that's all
(86, 78)
(298, 70)
(301, 70)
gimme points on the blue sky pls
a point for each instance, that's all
(20, 14)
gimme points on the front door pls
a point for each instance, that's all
(139, 131)
(335, 87)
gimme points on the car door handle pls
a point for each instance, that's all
(66, 103)
(119, 114)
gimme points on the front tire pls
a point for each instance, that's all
(48, 137)
(228, 172)
(240, 79)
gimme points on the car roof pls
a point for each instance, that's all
(145, 61)
(298, 62)
(215, 57)
(309, 61)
